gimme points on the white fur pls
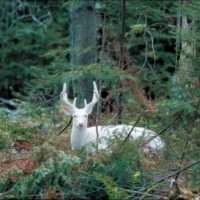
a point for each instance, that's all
(82, 135)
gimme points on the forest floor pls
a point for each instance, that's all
(34, 154)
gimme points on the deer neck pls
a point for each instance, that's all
(78, 136)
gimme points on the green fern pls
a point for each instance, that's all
(111, 187)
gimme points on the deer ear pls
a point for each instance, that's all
(67, 110)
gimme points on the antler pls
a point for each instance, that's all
(63, 97)
(95, 98)
(72, 107)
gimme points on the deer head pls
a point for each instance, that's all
(80, 116)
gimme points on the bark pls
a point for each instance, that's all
(188, 49)
(84, 22)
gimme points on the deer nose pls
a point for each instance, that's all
(80, 124)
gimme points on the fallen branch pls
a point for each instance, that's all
(166, 127)
(171, 175)
(3, 195)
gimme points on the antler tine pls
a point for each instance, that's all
(74, 102)
(85, 102)
(63, 97)
(95, 97)
(63, 92)
(95, 91)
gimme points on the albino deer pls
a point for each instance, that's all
(82, 135)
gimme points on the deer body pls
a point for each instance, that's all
(109, 132)
(82, 135)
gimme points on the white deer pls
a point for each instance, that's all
(82, 135)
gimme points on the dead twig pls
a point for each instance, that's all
(162, 131)
(127, 137)
(65, 126)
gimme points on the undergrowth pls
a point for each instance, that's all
(50, 169)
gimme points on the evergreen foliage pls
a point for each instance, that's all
(28, 30)
(35, 61)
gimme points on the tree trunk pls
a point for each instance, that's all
(83, 42)
(187, 43)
